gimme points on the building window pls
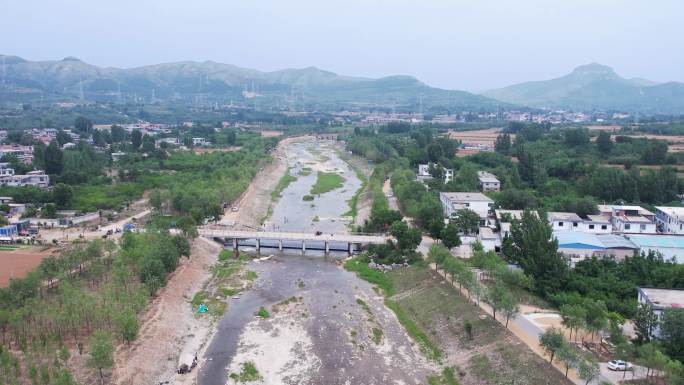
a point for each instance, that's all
(560, 224)
(604, 227)
(627, 227)
(574, 224)
(643, 227)
(591, 227)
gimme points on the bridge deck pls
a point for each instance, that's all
(280, 235)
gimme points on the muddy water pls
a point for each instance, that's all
(340, 348)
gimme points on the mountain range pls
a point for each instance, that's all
(588, 87)
(596, 87)
(210, 82)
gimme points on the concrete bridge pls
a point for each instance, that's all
(279, 236)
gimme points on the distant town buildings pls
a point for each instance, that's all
(32, 178)
(23, 153)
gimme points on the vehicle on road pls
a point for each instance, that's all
(619, 365)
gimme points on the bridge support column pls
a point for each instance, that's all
(327, 247)
(258, 244)
(235, 244)
(303, 246)
(280, 244)
(350, 247)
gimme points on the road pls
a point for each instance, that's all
(387, 190)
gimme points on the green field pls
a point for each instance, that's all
(325, 182)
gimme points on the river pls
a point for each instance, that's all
(325, 325)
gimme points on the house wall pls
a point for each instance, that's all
(634, 228)
(669, 225)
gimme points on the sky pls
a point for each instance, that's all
(471, 45)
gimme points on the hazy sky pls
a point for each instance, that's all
(473, 45)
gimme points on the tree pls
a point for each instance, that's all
(503, 144)
(645, 321)
(101, 352)
(54, 159)
(62, 195)
(118, 134)
(674, 372)
(576, 136)
(568, 356)
(551, 341)
(588, 368)
(573, 316)
(536, 251)
(127, 325)
(188, 226)
(603, 143)
(136, 139)
(438, 254)
(672, 332)
(49, 211)
(83, 124)
(509, 305)
(157, 199)
(450, 237)
(596, 316)
(62, 138)
(407, 238)
(231, 138)
(467, 221)
(147, 143)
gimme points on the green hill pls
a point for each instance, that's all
(312, 88)
(595, 86)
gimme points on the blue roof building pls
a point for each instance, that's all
(579, 245)
(670, 246)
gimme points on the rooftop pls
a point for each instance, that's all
(487, 177)
(561, 216)
(675, 212)
(663, 298)
(569, 239)
(665, 241)
(466, 196)
(597, 219)
(611, 208)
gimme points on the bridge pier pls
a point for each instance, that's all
(258, 244)
(303, 246)
(235, 244)
(280, 244)
(349, 247)
(327, 247)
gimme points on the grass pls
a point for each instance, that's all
(307, 198)
(354, 201)
(325, 182)
(377, 335)
(223, 285)
(249, 373)
(284, 181)
(375, 277)
(306, 171)
(429, 348)
(445, 378)
(251, 275)
(365, 306)
(263, 313)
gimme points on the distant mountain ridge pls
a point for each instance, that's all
(209, 81)
(595, 86)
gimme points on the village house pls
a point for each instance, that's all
(33, 178)
(488, 181)
(475, 201)
(629, 219)
(660, 300)
(564, 221)
(669, 246)
(670, 220)
(23, 153)
(424, 173)
(578, 245)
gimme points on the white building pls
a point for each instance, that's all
(200, 142)
(629, 219)
(597, 224)
(475, 201)
(660, 300)
(33, 178)
(424, 173)
(564, 221)
(506, 217)
(670, 220)
(488, 181)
